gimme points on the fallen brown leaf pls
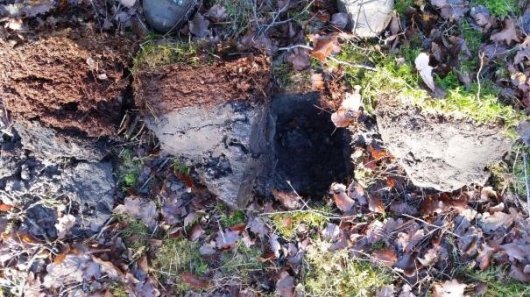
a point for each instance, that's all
(194, 281)
(324, 46)
(386, 256)
(342, 200)
(508, 34)
(289, 200)
(285, 285)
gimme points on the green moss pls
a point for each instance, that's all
(286, 224)
(235, 218)
(500, 8)
(135, 234)
(129, 169)
(472, 36)
(402, 5)
(242, 262)
(399, 77)
(118, 290)
(498, 283)
(153, 54)
(178, 166)
(239, 15)
(350, 276)
(175, 257)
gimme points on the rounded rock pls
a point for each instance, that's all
(165, 15)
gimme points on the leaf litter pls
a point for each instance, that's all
(422, 239)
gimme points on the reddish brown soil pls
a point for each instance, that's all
(177, 86)
(70, 80)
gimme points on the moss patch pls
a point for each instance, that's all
(396, 75)
(500, 8)
(154, 54)
(175, 257)
(129, 169)
(286, 224)
(339, 274)
(498, 283)
(241, 262)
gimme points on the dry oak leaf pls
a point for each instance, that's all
(451, 9)
(342, 200)
(285, 285)
(324, 46)
(450, 288)
(194, 281)
(508, 34)
(349, 110)
(385, 256)
(139, 208)
(226, 239)
(199, 26)
(217, 13)
(425, 70)
(289, 200)
(299, 58)
(491, 222)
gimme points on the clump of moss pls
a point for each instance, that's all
(500, 8)
(154, 54)
(175, 257)
(286, 224)
(128, 170)
(241, 262)
(498, 284)
(350, 276)
(232, 219)
(118, 290)
(135, 234)
(398, 76)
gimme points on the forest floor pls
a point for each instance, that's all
(91, 205)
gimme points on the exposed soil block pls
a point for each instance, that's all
(71, 79)
(436, 150)
(308, 151)
(210, 114)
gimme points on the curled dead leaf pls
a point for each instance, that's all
(385, 256)
(342, 200)
(289, 200)
(508, 34)
(425, 70)
(324, 46)
(194, 281)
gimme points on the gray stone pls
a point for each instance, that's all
(165, 15)
(226, 143)
(48, 143)
(368, 17)
(437, 151)
(91, 186)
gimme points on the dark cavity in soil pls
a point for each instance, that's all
(309, 151)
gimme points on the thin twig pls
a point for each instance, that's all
(352, 65)
(288, 48)
(429, 224)
(527, 182)
(478, 74)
